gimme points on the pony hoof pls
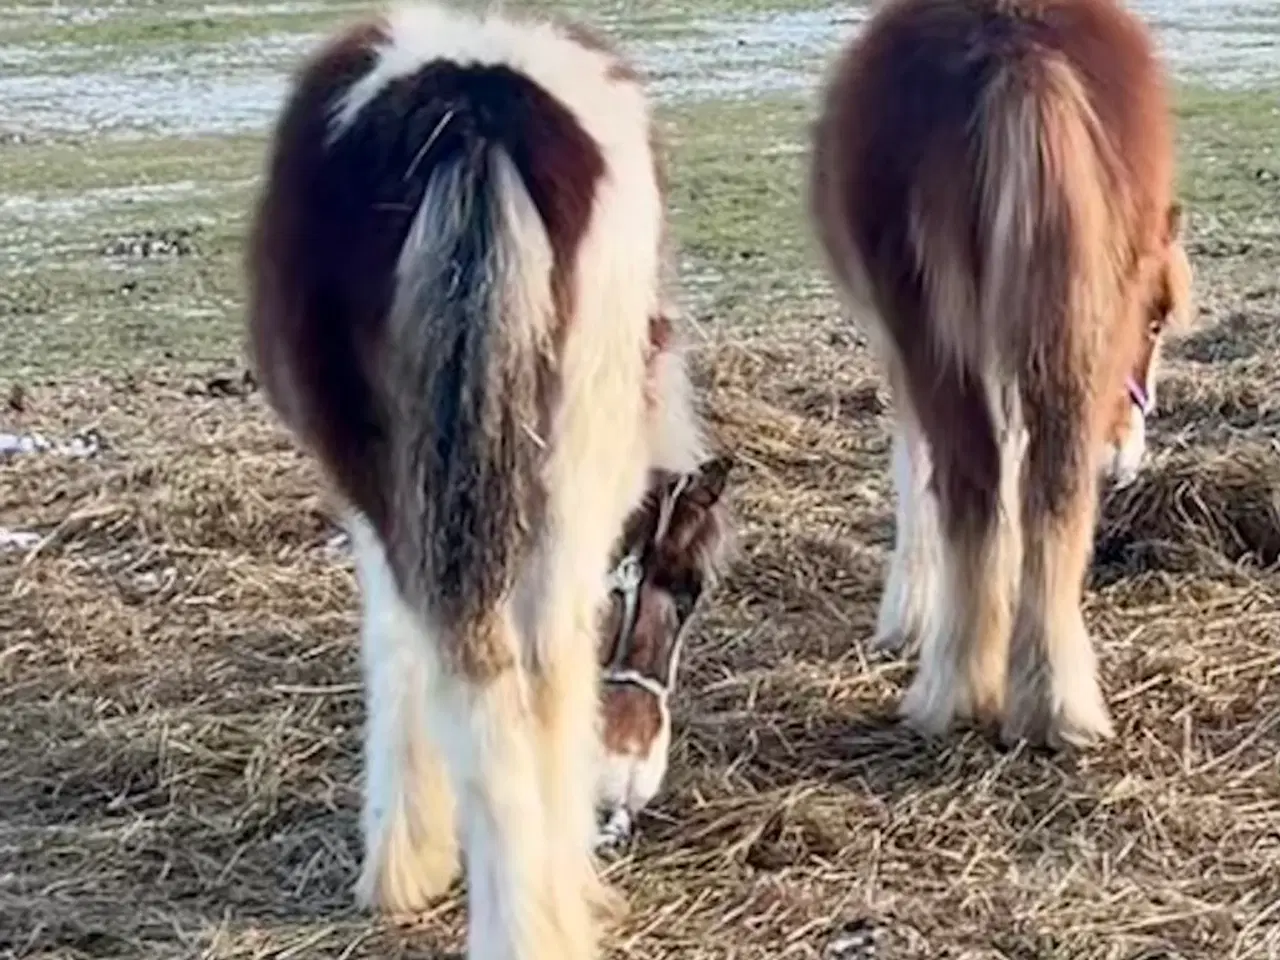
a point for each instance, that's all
(608, 906)
(1066, 729)
(1082, 729)
(403, 875)
(929, 720)
(895, 642)
(932, 706)
(405, 895)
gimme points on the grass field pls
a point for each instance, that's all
(179, 690)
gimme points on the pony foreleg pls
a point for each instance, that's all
(569, 711)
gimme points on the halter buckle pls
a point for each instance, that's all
(627, 575)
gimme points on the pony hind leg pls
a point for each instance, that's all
(486, 723)
(410, 837)
(976, 444)
(567, 696)
(1054, 695)
(912, 583)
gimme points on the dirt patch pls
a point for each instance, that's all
(1240, 336)
(1216, 407)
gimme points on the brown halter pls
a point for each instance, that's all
(626, 580)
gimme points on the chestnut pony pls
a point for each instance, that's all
(992, 185)
(458, 306)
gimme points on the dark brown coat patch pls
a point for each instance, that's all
(401, 426)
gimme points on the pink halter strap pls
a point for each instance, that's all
(1138, 394)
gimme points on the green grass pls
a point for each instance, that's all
(57, 167)
(738, 171)
(1230, 151)
(134, 34)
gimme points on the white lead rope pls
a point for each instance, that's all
(633, 678)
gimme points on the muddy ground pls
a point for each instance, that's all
(179, 698)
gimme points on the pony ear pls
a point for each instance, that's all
(709, 480)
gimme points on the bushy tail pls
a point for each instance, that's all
(1047, 217)
(1052, 224)
(467, 366)
(1040, 229)
(1019, 277)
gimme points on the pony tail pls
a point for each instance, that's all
(471, 310)
(1043, 165)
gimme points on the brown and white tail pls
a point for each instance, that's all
(1026, 328)
(1053, 224)
(466, 363)
(1047, 232)
(1045, 243)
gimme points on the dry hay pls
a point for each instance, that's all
(1190, 509)
(180, 711)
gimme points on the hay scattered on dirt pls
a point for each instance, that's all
(180, 710)
(1188, 507)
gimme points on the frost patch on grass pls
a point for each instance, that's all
(27, 208)
(298, 7)
(221, 89)
(71, 15)
(237, 87)
(75, 14)
(1229, 45)
(699, 282)
(172, 102)
(741, 57)
(17, 540)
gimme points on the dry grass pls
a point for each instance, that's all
(1192, 509)
(180, 711)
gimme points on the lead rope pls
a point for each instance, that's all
(625, 580)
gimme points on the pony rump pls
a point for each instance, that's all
(991, 185)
